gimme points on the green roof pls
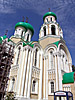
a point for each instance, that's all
(56, 43)
(23, 24)
(2, 38)
(28, 43)
(49, 14)
(68, 78)
(26, 26)
(29, 26)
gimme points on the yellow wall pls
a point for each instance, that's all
(48, 41)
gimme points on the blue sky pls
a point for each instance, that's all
(12, 11)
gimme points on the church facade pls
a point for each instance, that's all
(38, 66)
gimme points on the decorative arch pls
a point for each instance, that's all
(51, 87)
(55, 28)
(64, 47)
(65, 57)
(44, 31)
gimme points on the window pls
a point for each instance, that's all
(51, 18)
(22, 34)
(35, 57)
(52, 87)
(53, 30)
(33, 86)
(44, 31)
(13, 81)
(18, 54)
(51, 59)
(28, 37)
(47, 19)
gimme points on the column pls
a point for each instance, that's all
(29, 37)
(44, 90)
(40, 81)
(19, 74)
(30, 76)
(56, 73)
(21, 71)
(27, 75)
(49, 29)
(24, 71)
(59, 72)
(46, 78)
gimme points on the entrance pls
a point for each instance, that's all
(63, 95)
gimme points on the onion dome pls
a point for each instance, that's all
(22, 24)
(29, 26)
(49, 14)
(26, 26)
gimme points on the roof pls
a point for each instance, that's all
(56, 43)
(28, 43)
(2, 38)
(25, 25)
(29, 26)
(68, 78)
(49, 14)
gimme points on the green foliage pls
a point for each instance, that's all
(10, 96)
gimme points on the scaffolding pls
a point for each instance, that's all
(6, 56)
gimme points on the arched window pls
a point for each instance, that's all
(53, 30)
(27, 37)
(44, 31)
(51, 19)
(51, 59)
(35, 57)
(22, 34)
(18, 55)
(52, 87)
(13, 81)
(33, 86)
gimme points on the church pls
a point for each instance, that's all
(39, 67)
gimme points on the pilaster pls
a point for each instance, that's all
(40, 81)
(30, 76)
(27, 76)
(24, 72)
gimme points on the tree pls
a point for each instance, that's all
(10, 96)
(73, 68)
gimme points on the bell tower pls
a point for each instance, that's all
(50, 31)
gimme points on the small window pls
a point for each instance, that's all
(13, 81)
(51, 18)
(47, 19)
(35, 57)
(22, 34)
(33, 86)
(52, 87)
(51, 59)
(44, 31)
(53, 30)
(28, 37)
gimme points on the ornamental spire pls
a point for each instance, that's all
(6, 32)
(26, 19)
(23, 19)
(49, 9)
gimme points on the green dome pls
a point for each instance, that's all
(23, 24)
(48, 14)
(29, 26)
